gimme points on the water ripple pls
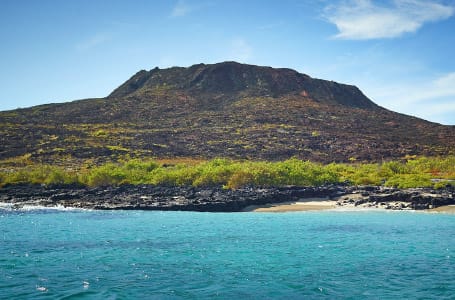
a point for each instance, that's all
(122, 255)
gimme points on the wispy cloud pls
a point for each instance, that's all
(429, 99)
(180, 9)
(271, 26)
(93, 41)
(240, 50)
(443, 86)
(364, 19)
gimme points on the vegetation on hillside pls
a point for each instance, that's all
(433, 172)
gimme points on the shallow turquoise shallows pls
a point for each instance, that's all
(48, 254)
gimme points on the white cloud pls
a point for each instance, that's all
(240, 50)
(180, 9)
(446, 82)
(443, 86)
(432, 99)
(363, 19)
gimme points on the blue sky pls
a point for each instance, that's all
(400, 53)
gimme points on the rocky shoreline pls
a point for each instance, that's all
(216, 199)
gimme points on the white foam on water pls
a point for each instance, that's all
(363, 209)
(30, 207)
(6, 206)
(41, 288)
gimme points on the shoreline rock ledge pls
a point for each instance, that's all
(217, 199)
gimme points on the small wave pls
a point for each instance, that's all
(6, 206)
(364, 209)
(41, 288)
(30, 207)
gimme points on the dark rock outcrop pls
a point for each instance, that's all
(148, 197)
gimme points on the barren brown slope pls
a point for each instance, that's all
(226, 109)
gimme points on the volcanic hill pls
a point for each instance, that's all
(221, 110)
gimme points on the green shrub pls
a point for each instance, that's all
(264, 174)
(410, 181)
(304, 173)
(214, 172)
(391, 168)
(39, 174)
(60, 176)
(364, 174)
(108, 174)
(443, 183)
(176, 175)
(415, 172)
(239, 178)
(137, 171)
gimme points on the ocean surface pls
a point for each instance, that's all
(57, 254)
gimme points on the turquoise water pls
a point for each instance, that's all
(186, 255)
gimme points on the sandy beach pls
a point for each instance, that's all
(304, 205)
(324, 204)
(449, 209)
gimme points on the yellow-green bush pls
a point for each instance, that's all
(39, 174)
(366, 174)
(214, 172)
(234, 174)
(239, 178)
(108, 174)
(410, 181)
(131, 172)
(176, 175)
